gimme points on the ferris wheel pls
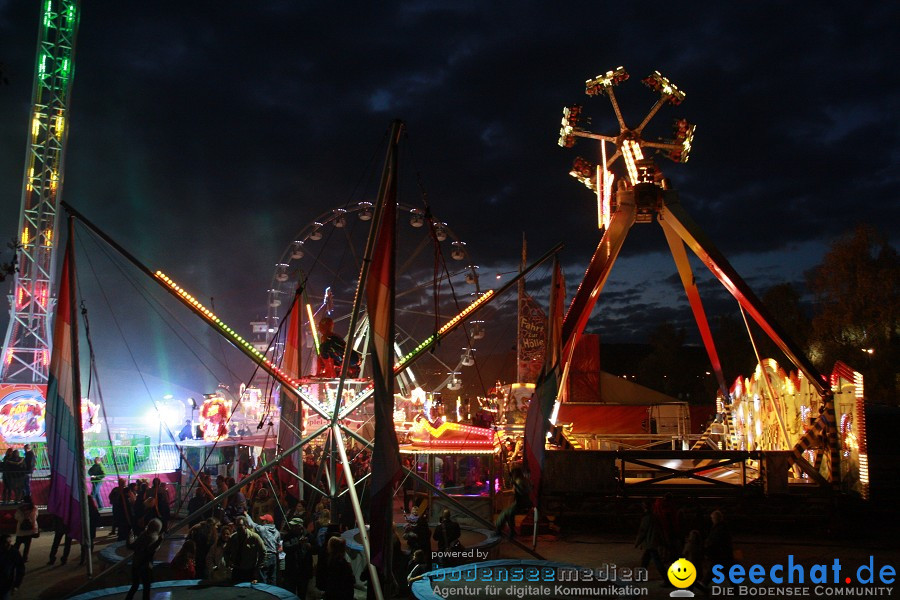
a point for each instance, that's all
(436, 278)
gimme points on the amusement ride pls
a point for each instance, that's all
(798, 427)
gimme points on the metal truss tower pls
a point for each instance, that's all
(26, 348)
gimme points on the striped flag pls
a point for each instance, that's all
(537, 422)
(291, 407)
(380, 305)
(65, 442)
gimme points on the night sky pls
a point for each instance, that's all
(204, 136)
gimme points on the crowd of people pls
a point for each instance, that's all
(668, 532)
(265, 535)
(17, 469)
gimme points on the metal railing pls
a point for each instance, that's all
(135, 458)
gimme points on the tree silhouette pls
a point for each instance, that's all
(857, 320)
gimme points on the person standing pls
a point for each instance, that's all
(26, 525)
(118, 500)
(651, 539)
(14, 473)
(446, 534)
(30, 461)
(718, 547)
(271, 538)
(163, 507)
(7, 479)
(186, 432)
(144, 547)
(60, 532)
(339, 580)
(262, 504)
(245, 552)
(521, 501)
(298, 558)
(97, 474)
(12, 568)
(204, 536)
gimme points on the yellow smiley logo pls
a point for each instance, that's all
(682, 573)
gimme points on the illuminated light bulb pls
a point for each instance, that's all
(631, 152)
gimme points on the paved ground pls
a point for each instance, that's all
(588, 549)
(765, 535)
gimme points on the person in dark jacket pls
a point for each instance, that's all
(651, 539)
(340, 579)
(144, 547)
(118, 501)
(298, 559)
(419, 538)
(446, 534)
(12, 568)
(717, 547)
(13, 469)
(60, 533)
(205, 535)
(245, 552)
(97, 474)
(163, 507)
(322, 539)
(30, 461)
(197, 501)
(522, 500)
(4, 469)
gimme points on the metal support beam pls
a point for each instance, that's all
(676, 246)
(597, 273)
(677, 218)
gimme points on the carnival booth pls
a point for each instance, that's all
(460, 460)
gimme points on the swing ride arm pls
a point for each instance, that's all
(676, 246)
(673, 216)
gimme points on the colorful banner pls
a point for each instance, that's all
(22, 418)
(290, 424)
(23, 415)
(65, 444)
(380, 306)
(537, 423)
(532, 340)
